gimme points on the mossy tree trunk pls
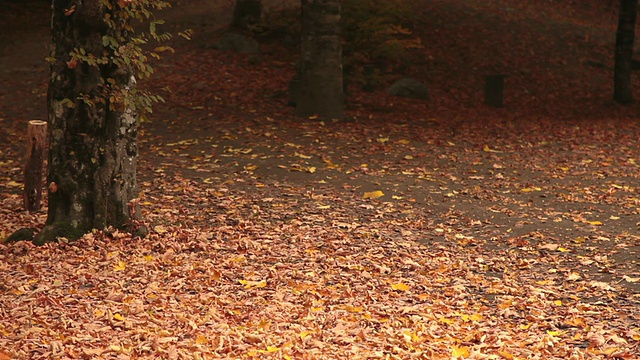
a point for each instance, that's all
(320, 90)
(622, 92)
(93, 136)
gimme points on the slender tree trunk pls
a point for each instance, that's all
(93, 138)
(625, 35)
(320, 73)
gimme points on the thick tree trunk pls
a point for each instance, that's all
(93, 143)
(622, 92)
(320, 73)
(245, 13)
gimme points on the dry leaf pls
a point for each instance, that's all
(373, 194)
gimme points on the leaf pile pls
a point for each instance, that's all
(439, 229)
(297, 290)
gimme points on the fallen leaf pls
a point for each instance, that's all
(400, 286)
(373, 194)
(461, 351)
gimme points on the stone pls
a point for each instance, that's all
(238, 43)
(410, 88)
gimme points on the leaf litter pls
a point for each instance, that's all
(397, 235)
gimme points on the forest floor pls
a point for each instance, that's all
(425, 229)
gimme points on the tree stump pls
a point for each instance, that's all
(34, 169)
(494, 90)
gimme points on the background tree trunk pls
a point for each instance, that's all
(246, 12)
(320, 73)
(622, 89)
(93, 142)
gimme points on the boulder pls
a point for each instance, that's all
(238, 43)
(410, 88)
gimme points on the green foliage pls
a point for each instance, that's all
(377, 37)
(126, 52)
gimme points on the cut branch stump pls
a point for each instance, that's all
(34, 168)
(494, 91)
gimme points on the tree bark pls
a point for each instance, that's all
(625, 35)
(320, 73)
(93, 139)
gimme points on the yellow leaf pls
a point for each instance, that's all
(400, 286)
(272, 348)
(525, 327)
(373, 194)
(476, 317)
(311, 169)
(201, 339)
(148, 258)
(248, 284)
(13, 184)
(558, 302)
(353, 309)
(304, 334)
(530, 189)
(594, 223)
(459, 351)
(488, 149)
(610, 350)
(160, 229)
(555, 332)
(443, 319)
(302, 156)
(505, 304)
(118, 317)
(561, 249)
(120, 266)
(383, 140)
(404, 142)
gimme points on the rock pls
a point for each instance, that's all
(238, 43)
(410, 88)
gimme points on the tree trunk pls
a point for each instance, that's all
(320, 73)
(93, 138)
(625, 35)
(245, 13)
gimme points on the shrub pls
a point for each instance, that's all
(377, 36)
